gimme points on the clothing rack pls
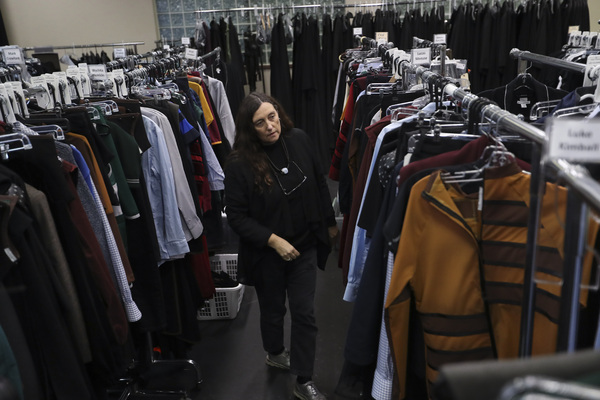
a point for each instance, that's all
(83, 46)
(294, 6)
(546, 60)
(13, 142)
(216, 51)
(585, 191)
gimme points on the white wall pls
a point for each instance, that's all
(63, 22)
(594, 6)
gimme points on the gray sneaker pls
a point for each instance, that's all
(308, 391)
(279, 361)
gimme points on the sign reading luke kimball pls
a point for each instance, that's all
(574, 140)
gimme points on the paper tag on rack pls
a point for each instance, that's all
(191, 54)
(52, 82)
(64, 84)
(573, 28)
(73, 73)
(11, 96)
(166, 47)
(574, 140)
(13, 55)
(18, 88)
(421, 56)
(185, 41)
(97, 72)
(86, 83)
(592, 61)
(120, 75)
(357, 30)
(585, 39)
(7, 109)
(43, 99)
(381, 37)
(439, 38)
(120, 52)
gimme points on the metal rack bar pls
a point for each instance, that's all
(546, 60)
(262, 8)
(504, 118)
(82, 46)
(584, 192)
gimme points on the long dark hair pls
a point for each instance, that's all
(247, 145)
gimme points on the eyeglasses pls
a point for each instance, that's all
(294, 179)
(261, 123)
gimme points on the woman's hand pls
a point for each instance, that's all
(285, 250)
(333, 234)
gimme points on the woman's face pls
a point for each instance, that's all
(267, 124)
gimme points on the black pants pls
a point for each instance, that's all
(275, 279)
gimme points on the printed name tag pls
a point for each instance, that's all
(13, 56)
(191, 54)
(577, 141)
(421, 56)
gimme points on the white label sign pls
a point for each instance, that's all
(166, 47)
(13, 56)
(592, 61)
(185, 41)
(577, 141)
(120, 52)
(191, 54)
(98, 72)
(439, 38)
(357, 30)
(381, 37)
(421, 56)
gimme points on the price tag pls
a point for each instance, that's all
(63, 86)
(9, 94)
(120, 52)
(574, 140)
(97, 72)
(13, 56)
(18, 88)
(421, 56)
(439, 38)
(43, 98)
(381, 37)
(166, 47)
(592, 61)
(357, 30)
(573, 28)
(185, 41)
(191, 54)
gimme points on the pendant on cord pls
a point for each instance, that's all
(284, 170)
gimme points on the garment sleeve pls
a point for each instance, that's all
(398, 298)
(239, 183)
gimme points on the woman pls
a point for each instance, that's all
(278, 203)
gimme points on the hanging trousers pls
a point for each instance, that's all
(275, 279)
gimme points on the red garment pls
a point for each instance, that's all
(95, 259)
(468, 153)
(201, 266)
(213, 128)
(372, 132)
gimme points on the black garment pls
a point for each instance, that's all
(40, 168)
(328, 76)
(519, 95)
(245, 205)
(281, 81)
(309, 109)
(235, 71)
(34, 296)
(295, 280)
(252, 60)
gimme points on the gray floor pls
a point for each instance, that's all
(231, 358)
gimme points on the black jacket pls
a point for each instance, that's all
(255, 215)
